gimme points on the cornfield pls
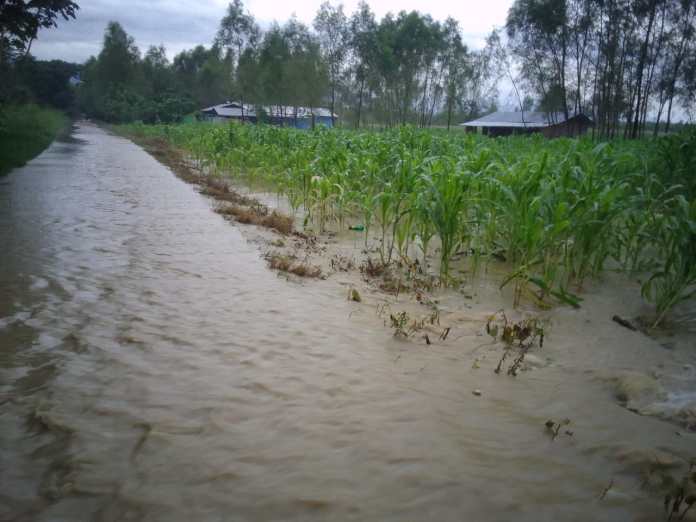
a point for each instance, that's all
(556, 212)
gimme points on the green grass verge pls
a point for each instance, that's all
(26, 130)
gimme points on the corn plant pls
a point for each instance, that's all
(675, 280)
(447, 197)
(554, 212)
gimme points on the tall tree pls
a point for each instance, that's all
(538, 33)
(20, 21)
(363, 46)
(237, 31)
(274, 54)
(331, 25)
(456, 67)
(156, 70)
(119, 57)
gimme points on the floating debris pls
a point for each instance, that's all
(354, 295)
(554, 428)
(624, 323)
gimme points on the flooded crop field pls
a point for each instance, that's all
(153, 367)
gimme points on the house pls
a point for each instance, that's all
(228, 111)
(550, 124)
(75, 80)
(285, 116)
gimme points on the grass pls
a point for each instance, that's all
(25, 131)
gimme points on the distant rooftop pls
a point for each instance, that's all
(526, 119)
(236, 110)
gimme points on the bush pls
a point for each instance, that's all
(26, 130)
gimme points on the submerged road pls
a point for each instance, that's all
(152, 368)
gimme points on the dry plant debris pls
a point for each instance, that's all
(524, 334)
(288, 264)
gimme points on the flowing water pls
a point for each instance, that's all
(152, 368)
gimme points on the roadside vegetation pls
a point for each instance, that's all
(34, 95)
(556, 212)
(26, 130)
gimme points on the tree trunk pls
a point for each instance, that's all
(360, 102)
(333, 105)
(563, 79)
(425, 93)
(659, 116)
(641, 67)
(669, 113)
(449, 114)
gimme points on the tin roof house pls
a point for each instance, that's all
(550, 124)
(287, 116)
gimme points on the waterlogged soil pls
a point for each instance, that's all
(152, 367)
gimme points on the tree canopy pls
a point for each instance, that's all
(620, 62)
(20, 20)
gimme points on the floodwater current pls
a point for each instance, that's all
(152, 368)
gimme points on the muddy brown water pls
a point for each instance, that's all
(152, 368)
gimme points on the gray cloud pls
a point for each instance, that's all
(177, 24)
(182, 24)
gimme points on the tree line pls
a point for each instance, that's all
(402, 69)
(621, 62)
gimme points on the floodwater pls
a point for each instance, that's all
(153, 369)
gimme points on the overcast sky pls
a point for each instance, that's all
(182, 24)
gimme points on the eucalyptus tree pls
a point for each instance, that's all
(306, 72)
(680, 56)
(214, 80)
(434, 63)
(619, 60)
(274, 54)
(499, 60)
(238, 30)
(363, 54)
(407, 46)
(331, 25)
(457, 69)
(290, 69)
(538, 34)
(248, 82)
(203, 74)
(646, 14)
(688, 87)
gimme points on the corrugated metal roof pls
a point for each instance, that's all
(234, 110)
(302, 112)
(527, 119)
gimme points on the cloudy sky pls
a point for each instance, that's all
(182, 24)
